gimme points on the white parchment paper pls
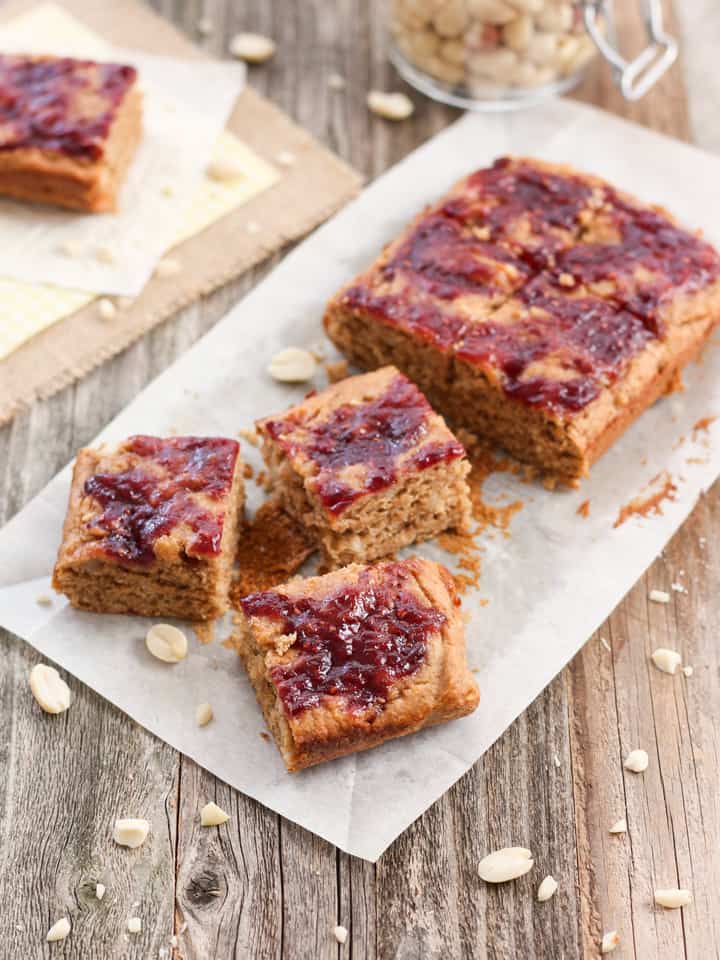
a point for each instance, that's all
(549, 585)
(185, 108)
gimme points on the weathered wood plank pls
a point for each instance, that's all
(65, 780)
(619, 701)
(229, 888)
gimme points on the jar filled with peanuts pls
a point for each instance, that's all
(499, 54)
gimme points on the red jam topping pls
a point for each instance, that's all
(449, 261)
(374, 434)
(417, 315)
(590, 338)
(653, 258)
(355, 643)
(60, 104)
(139, 505)
(532, 228)
(510, 191)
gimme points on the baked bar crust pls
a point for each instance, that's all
(368, 467)
(343, 662)
(68, 130)
(151, 527)
(537, 306)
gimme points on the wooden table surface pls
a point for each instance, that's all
(264, 888)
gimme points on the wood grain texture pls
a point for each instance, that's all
(261, 887)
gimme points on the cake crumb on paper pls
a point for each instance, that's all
(336, 371)
(702, 426)
(249, 434)
(204, 630)
(661, 488)
(271, 548)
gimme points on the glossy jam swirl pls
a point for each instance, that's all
(374, 434)
(590, 339)
(513, 192)
(60, 104)
(517, 232)
(143, 503)
(413, 312)
(354, 643)
(449, 260)
(652, 258)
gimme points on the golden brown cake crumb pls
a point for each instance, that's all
(271, 548)
(484, 462)
(642, 506)
(336, 371)
(703, 424)
(204, 631)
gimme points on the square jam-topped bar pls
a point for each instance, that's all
(152, 527)
(343, 662)
(68, 130)
(368, 467)
(536, 306)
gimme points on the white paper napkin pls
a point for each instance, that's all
(549, 585)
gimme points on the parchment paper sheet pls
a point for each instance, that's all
(549, 585)
(184, 112)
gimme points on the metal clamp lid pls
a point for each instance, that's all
(635, 77)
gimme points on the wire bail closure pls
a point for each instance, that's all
(635, 77)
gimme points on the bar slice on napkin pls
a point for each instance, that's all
(368, 467)
(342, 662)
(68, 130)
(537, 306)
(152, 526)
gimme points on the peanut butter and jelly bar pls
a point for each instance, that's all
(537, 306)
(152, 526)
(368, 467)
(343, 662)
(68, 130)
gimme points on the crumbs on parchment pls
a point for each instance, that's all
(662, 488)
(271, 548)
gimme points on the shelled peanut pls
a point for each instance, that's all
(492, 43)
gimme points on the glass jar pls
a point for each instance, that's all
(500, 54)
